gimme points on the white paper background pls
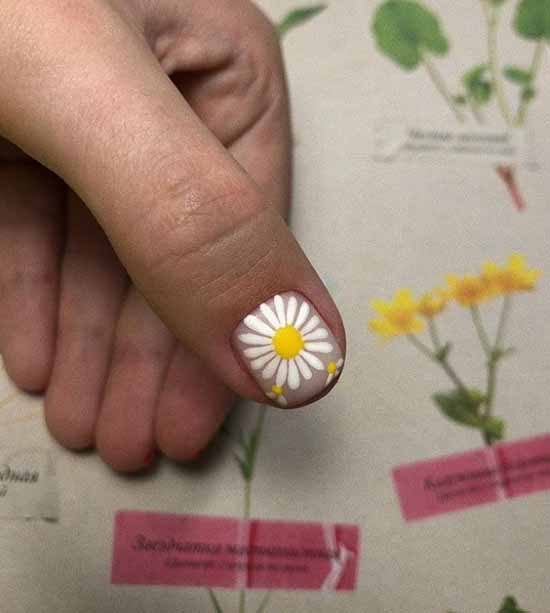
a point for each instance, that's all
(369, 228)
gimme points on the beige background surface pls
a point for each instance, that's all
(369, 228)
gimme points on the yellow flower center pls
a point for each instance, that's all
(331, 368)
(277, 390)
(288, 342)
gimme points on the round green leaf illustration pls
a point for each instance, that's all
(532, 19)
(477, 84)
(405, 31)
(517, 75)
(510, 605)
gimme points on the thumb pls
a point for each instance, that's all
(196, 235)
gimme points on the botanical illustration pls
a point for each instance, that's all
(247, 444)
(246, 453)
(413, 37)
(410, 317)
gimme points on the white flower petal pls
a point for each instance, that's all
(319, 347)
(280, 310)
(311, 325)
(302, 315)
(257, 325)
(268, 313)
(271, 395)
(282, 373)
(256, 352)
(254, 339)
(270, 369)
(304, 369)
(340, 363)
(291, 309)
(261, 362)
(316, 335)
(282, 401)
(293, 375)
(312, 360)
(329, 379)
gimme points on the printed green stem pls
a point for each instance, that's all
(496, 355)
(442, 88)
(494, 359)
(247, 506)
(491, 387)
(436, 340)
(421, 347)
(246, 517)
(503, 321)
(480, 329)
(536, 64)
(476, 111)
(492, 15)
(242, 601)
(440, 359)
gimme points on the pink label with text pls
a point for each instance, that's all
(195, 550)
(481, 476)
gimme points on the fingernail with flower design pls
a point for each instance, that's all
(289, 350)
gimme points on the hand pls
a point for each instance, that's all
(144, 173)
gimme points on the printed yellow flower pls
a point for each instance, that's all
(400, 316)
(432, 303)
(468, 290)
(514, 277)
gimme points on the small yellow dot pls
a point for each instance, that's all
(277, 390)
(331, 368)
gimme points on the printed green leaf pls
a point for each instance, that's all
(495, 428)
(443, 353)
(465, 409)
(461, 407)
(497, 2)
(405, 31)
(510, 605)
(517, 75)
(244, 466)
(298, 17)
(248, 445)
(477, 84)
(528, 93)
(532, 20)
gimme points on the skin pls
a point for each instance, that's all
(144, 177)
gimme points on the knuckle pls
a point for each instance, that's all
(259, 61)
(263, 63)
(191, 218)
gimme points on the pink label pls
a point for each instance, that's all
(195, 550)
(482, 476)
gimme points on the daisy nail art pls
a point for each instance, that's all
(333, 370)
(289, 349)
